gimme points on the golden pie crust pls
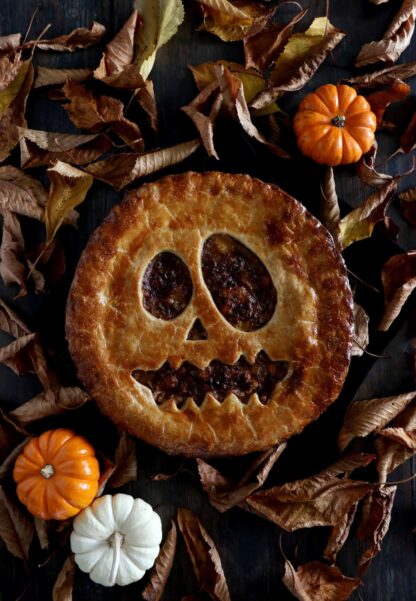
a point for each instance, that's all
(110, 334)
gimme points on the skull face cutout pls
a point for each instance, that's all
(210, 315)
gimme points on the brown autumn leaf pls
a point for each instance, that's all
(361, 335)
(69, 187)
(47, 262)
(121, 169)
(95, 113)
(223, 493)
(49, 402)
(408, 137)
(16, 354)
(339, 534)
(232, 21)
(329, 207)
(21, 193)
(48, 76)
(160, 572)
(366, 170)
(205, 123)
(106, 471)
(384, 77)
(10, 322)
(399, 280)
(395, 444)
(359, 223)
(396, 39)
(380, 100)
(10, 42)
(81, 37)
(145, 96)
(315, 581)
(64, 584)
(204, 556)
(41, 528)
(125, 462)
(7, 464)
(13, 267)
(16, 527)
(39, 148)
(364, 417)
(408, 205)
(302, 56)
(375, 522)
(262, 50)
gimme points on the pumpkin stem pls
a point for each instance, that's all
(47, 471)
(116, 540)
(338, 121)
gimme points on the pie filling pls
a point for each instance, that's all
(220, 379)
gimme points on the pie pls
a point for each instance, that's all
(211, 315)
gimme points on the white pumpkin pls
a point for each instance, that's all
(116, 539)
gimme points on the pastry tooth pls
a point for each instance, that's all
(210, 402)
(231, 401)
(254, 401)
(190, 405)
(169, 406)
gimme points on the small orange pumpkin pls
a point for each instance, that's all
(56, 474)
(334, 125)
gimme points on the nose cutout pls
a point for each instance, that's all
(197, 332)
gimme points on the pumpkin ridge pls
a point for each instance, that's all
(85, 494)
(33, 447)
(83, 449)
(92, 474)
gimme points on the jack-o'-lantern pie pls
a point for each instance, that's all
(211, 314)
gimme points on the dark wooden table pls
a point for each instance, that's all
(248, 545)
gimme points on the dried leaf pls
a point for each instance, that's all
(395, 444)
(339, 534)
(315, 581)
(145, 96)
(399, 280)
(375, 522)
(408, 205)
(223, 493)
(12, 263)
(125, 462)
(205, 123)
(261, 50)
(380, 100)
(119, 53)
(122, 169)
(364, 417)
(161, 21)
(49, 402)
(94, 113)
(366, 170)
(16, 528)
(64, 584)
(361, 335)
(396, 39)
(302, 56)
(21, 193)
(41, 527)
(408, 138)
(10, 322)
(160, 572)
(78, 38)
(205, 559)
(47, 76)
(106, 471)
(16, 354)
(359, 223)
(69, 187)
(10, 42)
(39, 148)
(8, 463)
(232, 22)
(384, 77)
(330, 213)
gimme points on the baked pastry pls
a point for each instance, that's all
(211, 314)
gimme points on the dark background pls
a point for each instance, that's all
(248, 545)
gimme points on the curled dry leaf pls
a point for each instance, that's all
(161, 21)
(69, 187)
(10, 42)
(302, 56)
(122, 169)
(399, 280)
(396, 39)
(106, 471)
(339, 534)
(364, 417)
(204, 556)
(315, 581)
(380, 100)
(223, 493)
(64, 584)
(47, 76)
(160, 572)
(145, 96)
(16, 527)
(396, 444)
(49, 402)
(359, 223)
(21, 193)
(10, 322)
(94, 113)
(8, 463)
(205, 123)
(16, 354)
(366, 170)
(13, 268)
(384, 77)
(261, 50)
(125, 462)
(41, 528)
(329, 209)
(408, 138)
(375, 522)
(78, 38)
(408, 205)
(361, 335)
(39, 148)
(235, 21)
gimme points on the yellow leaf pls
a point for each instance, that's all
(232, 22)
(11, 91)
(161, 21)
(69, 187)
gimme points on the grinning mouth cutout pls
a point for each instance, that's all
(220, 379)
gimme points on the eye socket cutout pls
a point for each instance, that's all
(166, 286)
(239, 282)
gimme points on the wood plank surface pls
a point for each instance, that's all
(248, 545)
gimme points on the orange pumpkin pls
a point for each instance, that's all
(56, 474)
(334, 126)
